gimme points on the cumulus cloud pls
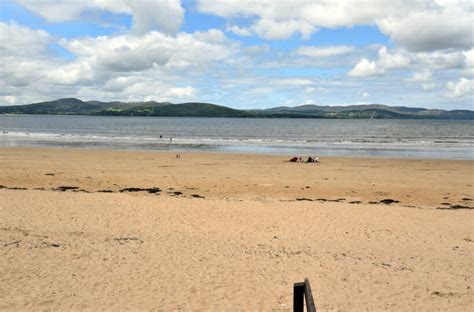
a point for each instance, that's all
(324, 51)
(437, 60)
(469, 62)
(243, 32)
(424, 25)
(366, 68)
(272, 29)
(428, 86)
(462, 87)
(153, 50)
(385, 61)
(429, 30)
(423, 76)
(10, 99)
(165, 15)
(126, 67)
(24, 54)
(20, 41)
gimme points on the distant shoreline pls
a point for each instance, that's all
(72, 106)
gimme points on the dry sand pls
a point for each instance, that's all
(255, 225)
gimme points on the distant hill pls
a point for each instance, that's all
(72, 106)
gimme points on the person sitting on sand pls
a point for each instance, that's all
(294, 159)
(310, 159)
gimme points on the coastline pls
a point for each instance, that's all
(328, 138)
(104, 229)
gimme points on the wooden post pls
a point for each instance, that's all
(298, 297)
(310, 306)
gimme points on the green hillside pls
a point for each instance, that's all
(72, 106)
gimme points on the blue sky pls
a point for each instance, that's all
(242, 54)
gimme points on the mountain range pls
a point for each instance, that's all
(72, 106)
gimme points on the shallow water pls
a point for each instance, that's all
(443, 139)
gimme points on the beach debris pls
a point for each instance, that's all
(151, 190)
(355, 202)
(105, 191)
(388, 201)
(466, 199)
(49, 174)
(304, 198)
(13, 243)
(176, 193)
(17, 188)
(442, 294)
(55, 245)
(123, 240)
(2, 187)
(197, 196)
(455, 207)
(446, 204)
(132, 189)
(66, 188)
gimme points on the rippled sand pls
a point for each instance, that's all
(95, 230)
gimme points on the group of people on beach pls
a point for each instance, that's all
(311, 159)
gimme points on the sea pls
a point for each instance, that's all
(432, 139)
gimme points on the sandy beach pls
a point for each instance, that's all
(114, 230)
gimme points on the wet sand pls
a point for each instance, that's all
(95, 230)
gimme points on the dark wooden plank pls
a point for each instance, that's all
(298, 297)
(310, 306)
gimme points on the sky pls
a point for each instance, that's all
(239, 53)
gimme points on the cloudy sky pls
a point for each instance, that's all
(239, 53)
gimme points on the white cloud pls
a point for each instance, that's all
(24, 54)
(469, 62)
(392, 60)
(165, 15)
(324, 51)
(365, 94)
(385, 61)
(125, 67)
(423, 25)
(272, 29)
(423, 76)
(447, 59)
(431, 29)
(469, 55)
(133, 54)
(22, 41)
(243, 32)
(183, 93)
(365, 68)
(10, 99)
(291, 82)
(428, 86)
(461, 88)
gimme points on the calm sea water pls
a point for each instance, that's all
(443, 139)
